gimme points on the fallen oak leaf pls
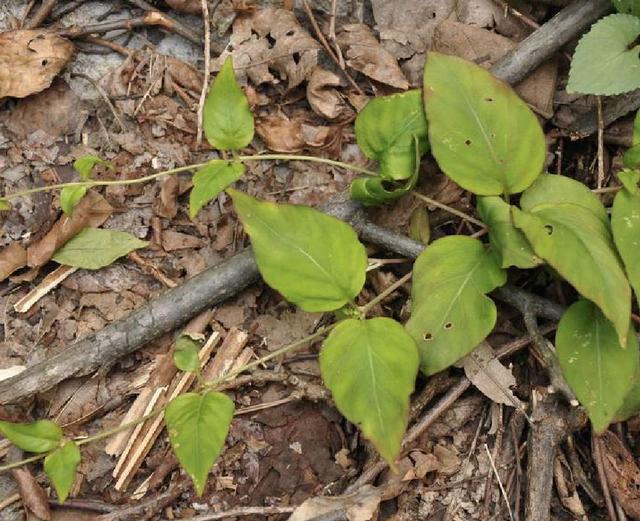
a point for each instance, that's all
(12, 258)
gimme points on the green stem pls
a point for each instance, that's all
(241, 159)
(17, 464)
(369, 305)
(462, 215)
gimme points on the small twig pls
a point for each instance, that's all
(600, 180)
(242, 511)
(207, 70)
(41, 14)
(388, 291)
(453, 211)
(502, 490)
(597, 459)
(170, 23)
(27, 11)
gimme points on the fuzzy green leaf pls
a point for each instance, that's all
(606, 60)
(386, 129)
(198, 425)
(210, 180)
(625, 224)
(60, 466)
(227, 119)
(38, 436)
(507, 241)
(316, 261)
(94, 248)
(579, 247)
(597, 368)
(627, 6)
(482, 134)
(185, 354)
(450, 311)
(370, 366)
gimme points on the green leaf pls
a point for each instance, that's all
(556, 189)
(370, 366)
(482, 134)
(84, 165)
(625, 224)
(631, 157)
(419, 226)
(606, 59)
(198, 425)
(70, 196)
(627, 6)
(227, 120)
(314, 260)
(509, 242)
(94, 248)
(38, 436)
(4, 205)
(210, 180)
(579, 247)
(597, 368)
(630, 180)
(185, 354)
(60, 466)
(631, 405)
(450, 312)
(385, 131)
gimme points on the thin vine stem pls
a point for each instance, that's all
(458, 213)
(398, 283)
(173, 171)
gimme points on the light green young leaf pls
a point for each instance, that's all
(70, 196)
(38, 436)
(386, 129)
(314, 260)
(419, 225)
(94, 248)
(60, 466)
(627, 6)
(606, 60)
(198, 425)
(631, 157)
(185, 354)
(84, 166)
(4, 205)
(625, 224)
(507, 241)
(227, 120)
(450, 311)
(210, 180)
(630, 180)
(579, 247)
(370, 366)
(597, 368)
(482, 134)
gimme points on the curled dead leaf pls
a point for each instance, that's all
(12, 258)
(295, 135)
(324, 98)
(92, 211)
(364, 53)
(30, 60)
(32, 494)
(360, 506)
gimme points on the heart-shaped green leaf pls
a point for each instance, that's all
(450, 311)
(507, 241)
(94, 248)
(38, 436)
(606, 60)
(370, 366)
(579, 247)
(185, 354)
(210, 180)
(597, 368)
(482, 134)
(625, 224)
(627, 6)
(386, 129)
(316, 261)
(60, 466)
(198, 425)
(227, 120)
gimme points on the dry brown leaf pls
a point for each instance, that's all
(186, 6)
(272, 40)
(294, 135)
(32, 494)
(167, 203)
(172, 240)
(623, 474)
(29, 60)
(92, 210)
(324, 98)
(470, 43)
(12, 258)
(488, 374)
(364, 53)
(360, 506)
